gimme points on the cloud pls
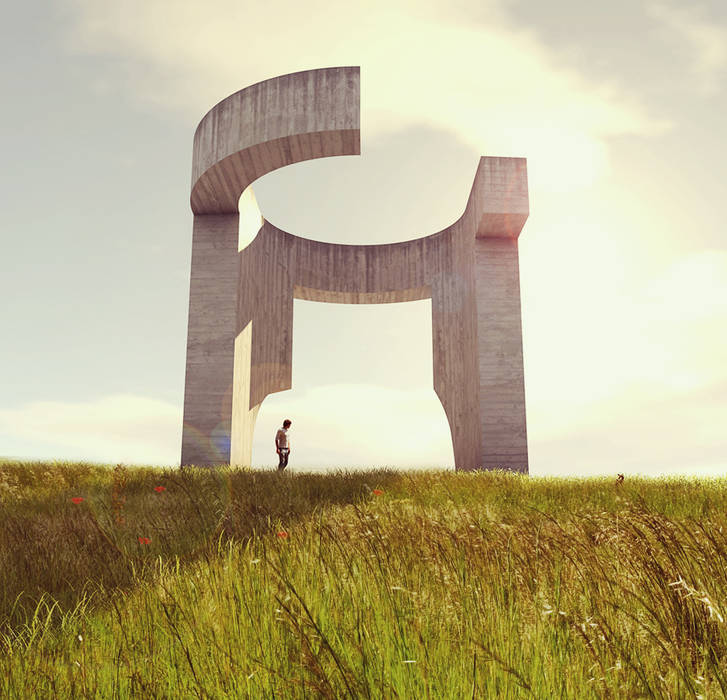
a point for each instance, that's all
(692, 288)
(116, 428)
(356, 424)
(645, 428)
(334, 425)
(705, 40)
(672, 330)
(499, 89)
(642, 384)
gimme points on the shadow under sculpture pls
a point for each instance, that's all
(239, 346)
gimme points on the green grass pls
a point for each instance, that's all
(445, 585)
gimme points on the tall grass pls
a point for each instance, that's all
(359, 584)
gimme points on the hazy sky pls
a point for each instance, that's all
(619, 109)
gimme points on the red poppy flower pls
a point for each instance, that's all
(160, 488)
(378, 492)
(77, 499)
(144, 540)
(282, 533)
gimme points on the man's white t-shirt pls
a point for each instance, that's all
(282, 438)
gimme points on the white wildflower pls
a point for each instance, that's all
(702, 597)
(713, 612)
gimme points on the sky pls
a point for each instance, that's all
(618, 109)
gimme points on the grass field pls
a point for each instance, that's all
(201, 583)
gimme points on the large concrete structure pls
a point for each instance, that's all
(239, 346)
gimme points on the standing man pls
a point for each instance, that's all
(282, 444)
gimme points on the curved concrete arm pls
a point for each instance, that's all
(284, 120)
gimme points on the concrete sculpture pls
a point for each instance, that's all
(239, 346)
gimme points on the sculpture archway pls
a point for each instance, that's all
(239, 346)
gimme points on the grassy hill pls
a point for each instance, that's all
(198, 583)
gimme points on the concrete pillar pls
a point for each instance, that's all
(500, 356)
(454, 361)
(210, 340)
(503, 204)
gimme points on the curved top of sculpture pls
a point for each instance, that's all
(273, 123)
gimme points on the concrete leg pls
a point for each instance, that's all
(500, 355)
(210, 340)
(454, 364)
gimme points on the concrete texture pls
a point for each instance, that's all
(239, 346)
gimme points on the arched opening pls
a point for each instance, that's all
(362, 394)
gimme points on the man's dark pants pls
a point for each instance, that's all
(284, 452)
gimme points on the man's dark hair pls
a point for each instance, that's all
(286, 423)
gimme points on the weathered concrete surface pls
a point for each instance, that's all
(210, 340)
(470, 271)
